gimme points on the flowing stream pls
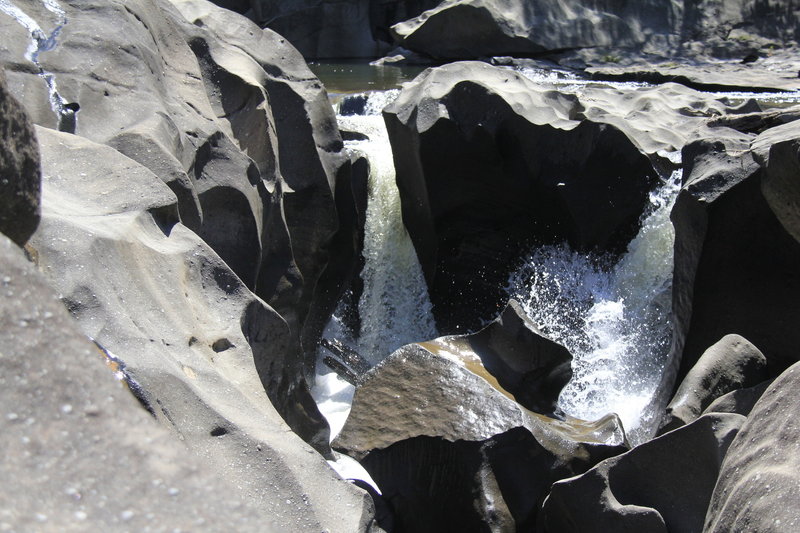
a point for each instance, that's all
(614, 320)
(394, 307)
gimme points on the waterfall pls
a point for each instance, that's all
(615, 321)
(394, 306)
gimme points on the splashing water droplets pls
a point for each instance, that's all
(613, 319)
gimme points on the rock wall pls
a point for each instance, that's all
(185, 225)
(326, 29)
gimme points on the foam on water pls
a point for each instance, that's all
(394, 307)
(614, 320)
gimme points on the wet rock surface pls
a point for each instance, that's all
(447, 444)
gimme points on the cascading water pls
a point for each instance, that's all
(615, 321)
(394, 306)
(42, 42)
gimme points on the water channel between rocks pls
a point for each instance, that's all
(615, 320)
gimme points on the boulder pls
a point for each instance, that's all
(736, 265)
(732, 363)
(228, 115)
(781, 181)
(206, 356)
(758, 480)
(436, 431)
(19, 170)
(82, 452)
(256, 186)
(527, 364)
(662, 485)
(488, 164)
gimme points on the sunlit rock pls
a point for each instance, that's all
(736, 265)
(730, 364)
(430, 418)
(758, 481)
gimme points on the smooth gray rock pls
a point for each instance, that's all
(781, 182)
(19, 170)
(705, 76)
(758, 481)
(730, 364)
(736, 266)
(207, 356)
(469, 29)
(739, 401)
(228, 115)
(662, 485)
(80, 453)
(477, 28)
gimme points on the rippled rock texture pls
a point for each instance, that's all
(186, 224)
(490, 163)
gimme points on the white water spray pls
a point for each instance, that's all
(614, 321)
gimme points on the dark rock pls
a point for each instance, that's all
(662, 485)
(480, 28)
(739, 401)
(446, 442)
(71, 432)
(736, 267)
(530, 366)
(207, 356)
(19, 170)
(730, 364)
(757, 486)
(489, 163)
(326, 29)
(756, 121)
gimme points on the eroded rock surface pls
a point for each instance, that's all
(433, 427)
(736, 265)
(758, 481)
(730, 364)
(662, 485)
(82, 453)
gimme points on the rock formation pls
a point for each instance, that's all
(179, 218)
(176, 228)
